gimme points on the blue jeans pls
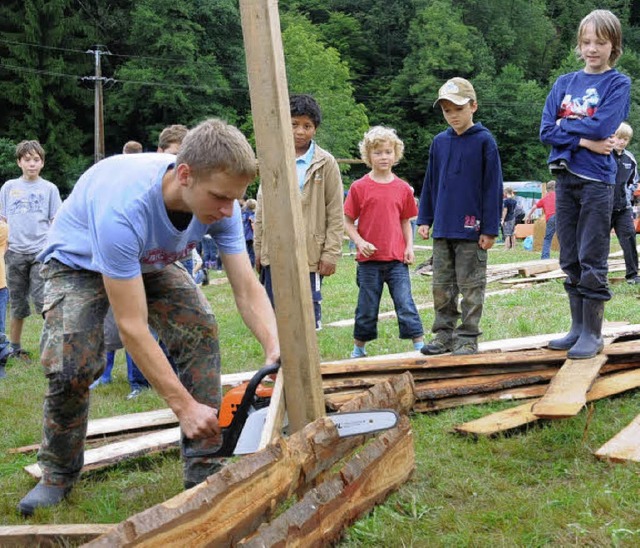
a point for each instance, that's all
(4, 300)
(583, 220)
(548, 237)
(371, 277)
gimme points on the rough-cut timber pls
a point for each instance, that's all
(624, 446)
(522, 393)
(234, 502)
(116, 452)
(364, 481)
(519, 416)
(50, 535)
(567, 392)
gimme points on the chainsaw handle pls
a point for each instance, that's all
(231, 434)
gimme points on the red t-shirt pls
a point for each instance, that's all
(379, 209)
(548, 204)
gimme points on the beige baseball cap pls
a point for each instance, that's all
(457, 90)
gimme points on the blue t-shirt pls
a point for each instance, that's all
(115, 221)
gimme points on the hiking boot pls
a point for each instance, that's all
(42, 496)
(435, 347)
(465, 349)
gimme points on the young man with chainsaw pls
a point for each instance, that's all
(115, 241)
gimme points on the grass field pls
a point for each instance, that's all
(539, 487)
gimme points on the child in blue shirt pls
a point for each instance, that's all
(581, 114)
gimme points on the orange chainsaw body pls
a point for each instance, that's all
(233, 397)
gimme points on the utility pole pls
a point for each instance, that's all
(98, 79)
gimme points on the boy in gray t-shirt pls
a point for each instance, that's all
(28, 205)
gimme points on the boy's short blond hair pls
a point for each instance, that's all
(251, 204)
(624, 131)
(376, 136)
(607, 27)
(509, 191)
(172, 134)
(215, 146)
(132, 147)
(29, 147)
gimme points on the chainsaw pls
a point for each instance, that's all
(244, 409)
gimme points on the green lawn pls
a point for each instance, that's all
(539, 487)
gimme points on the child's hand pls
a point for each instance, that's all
(367, 249)
(423, 230)
(486, 242)
(409, 256)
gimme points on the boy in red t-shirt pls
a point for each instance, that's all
(548, 204)
(383, 205)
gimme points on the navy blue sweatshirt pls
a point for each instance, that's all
(589, 106)
(462, 191)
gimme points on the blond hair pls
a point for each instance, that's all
(215, 146)
(624, 131)
(29, 147)
(607, 27)
(377, 136)
(132, 147)
(172, 134)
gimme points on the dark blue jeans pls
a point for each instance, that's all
(622, 223)
(371, 277)
(548, 237)
(583, 220)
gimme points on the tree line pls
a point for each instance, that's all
(366, 61)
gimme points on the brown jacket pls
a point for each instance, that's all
(321, 201)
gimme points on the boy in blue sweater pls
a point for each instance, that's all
(581, 114)
(461, 206)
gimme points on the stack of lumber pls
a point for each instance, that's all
(449, 381)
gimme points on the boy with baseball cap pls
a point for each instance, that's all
(460, 205)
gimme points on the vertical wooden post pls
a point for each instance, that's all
(283, 218)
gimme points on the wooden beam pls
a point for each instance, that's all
(275, 416)
(51, 535)
(519, 416)
(624, 446)
(365, 480)
(567, 392)
(282, 211)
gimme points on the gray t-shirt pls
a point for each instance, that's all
(29, 208)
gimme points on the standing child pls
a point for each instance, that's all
(581, 145)
(248, 222)
(28, 205)
(321, 200)
(509, 218)
(622, 216)
(461, 205)
(5, 347)
(383, 205)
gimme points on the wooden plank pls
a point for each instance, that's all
(567, 392)
(117, 452)
(521, 415)
(533, 270)
(519, 393)
(232, 503)
(275, 416)
(50, 535)
(281, 196)
(364, 481)
(624, 446)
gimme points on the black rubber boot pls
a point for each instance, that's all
(566, 342)
(590, 342)
(42, 496)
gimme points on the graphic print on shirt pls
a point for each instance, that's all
(579, 107)
(159, 256)
(21, 203)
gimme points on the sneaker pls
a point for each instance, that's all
(20, 354)
(634, 280)
(5, 353)
(466, 349)
(435, 347)
(98, 382)
(134, 393)
(319, 326)
(358, 352)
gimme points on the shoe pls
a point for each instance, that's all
(590, 342)
(435, 347)
(42, 496)
(358, 352)
(566, 342)
(319, 326)
(5, 353)
(98, 382)
(20, 354)
(134, 393)
(466, 349)
(3, 373)
(634, 280)
(205, 277)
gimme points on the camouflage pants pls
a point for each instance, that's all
(459, 268)
(72, 354)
